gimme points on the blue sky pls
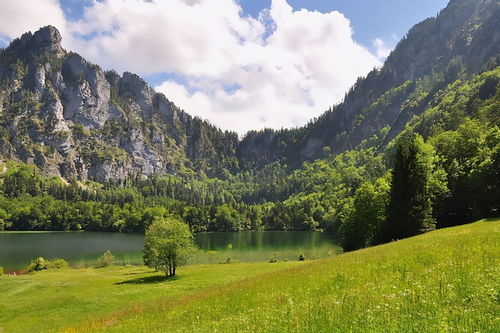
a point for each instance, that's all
(370, 18)
(229, 67)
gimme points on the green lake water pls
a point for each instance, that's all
(83, 248)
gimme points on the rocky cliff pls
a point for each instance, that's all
(73, 119)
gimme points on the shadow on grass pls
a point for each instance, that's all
(150, 280)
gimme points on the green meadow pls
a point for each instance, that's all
(443, 281)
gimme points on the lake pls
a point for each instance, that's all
(83, 248)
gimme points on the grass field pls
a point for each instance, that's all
(52, 300)
(443, 281)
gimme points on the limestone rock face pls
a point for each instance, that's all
(49, 39)
(73, 119)
(87, 93)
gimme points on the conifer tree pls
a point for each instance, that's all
(410, 208)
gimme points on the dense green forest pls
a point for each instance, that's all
(449, 157)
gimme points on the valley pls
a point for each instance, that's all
(120, 211)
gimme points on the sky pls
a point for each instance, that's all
(241, 64)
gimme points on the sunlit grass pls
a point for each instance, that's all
(51, 300)
(444, 281)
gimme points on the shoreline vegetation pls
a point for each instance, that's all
(83, 248)
(60, 263)
(444, 280)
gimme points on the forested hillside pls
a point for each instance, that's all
(463, 39)
(88, 149)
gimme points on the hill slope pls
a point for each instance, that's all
(443, 281)
(462, 40)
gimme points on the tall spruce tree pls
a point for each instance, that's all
(410, 208)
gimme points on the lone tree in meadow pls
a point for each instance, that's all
(167, 245)
(410, 208)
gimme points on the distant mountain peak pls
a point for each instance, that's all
(45, 40)
(48, 35)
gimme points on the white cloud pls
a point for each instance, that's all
(305, 65)
(289, 65)
(18, 17)
(382, 50)
(196, 38)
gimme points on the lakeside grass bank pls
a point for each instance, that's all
(443, 281)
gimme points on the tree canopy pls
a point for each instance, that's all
(168, 244)
(410, 209)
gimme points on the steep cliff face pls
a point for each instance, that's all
(463, 39)
(73, 119)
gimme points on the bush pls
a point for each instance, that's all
(106, 259)
(57, 264)
(1, 270)
(274, 258)
(232, 261)
(37, 264)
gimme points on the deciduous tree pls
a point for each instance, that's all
(168, 244)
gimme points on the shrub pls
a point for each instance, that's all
(232, 261)
(1, 270)
(37, 264)
(106, 259)
(274, 258)
(57, 264)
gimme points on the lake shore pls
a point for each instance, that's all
(442, 279)
(81, 249)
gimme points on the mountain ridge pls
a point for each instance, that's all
(414, 57)
(76, 97)
(71, 118)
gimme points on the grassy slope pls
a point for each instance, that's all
(52, 300)
(447, 280)
(443, 281)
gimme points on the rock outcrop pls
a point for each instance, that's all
(73, 119)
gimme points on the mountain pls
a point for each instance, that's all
(463, 39)
(71, 118)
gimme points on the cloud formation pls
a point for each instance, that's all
(239, 72)
(382, 50)
(18, 17)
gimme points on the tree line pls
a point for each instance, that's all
(442, 170)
